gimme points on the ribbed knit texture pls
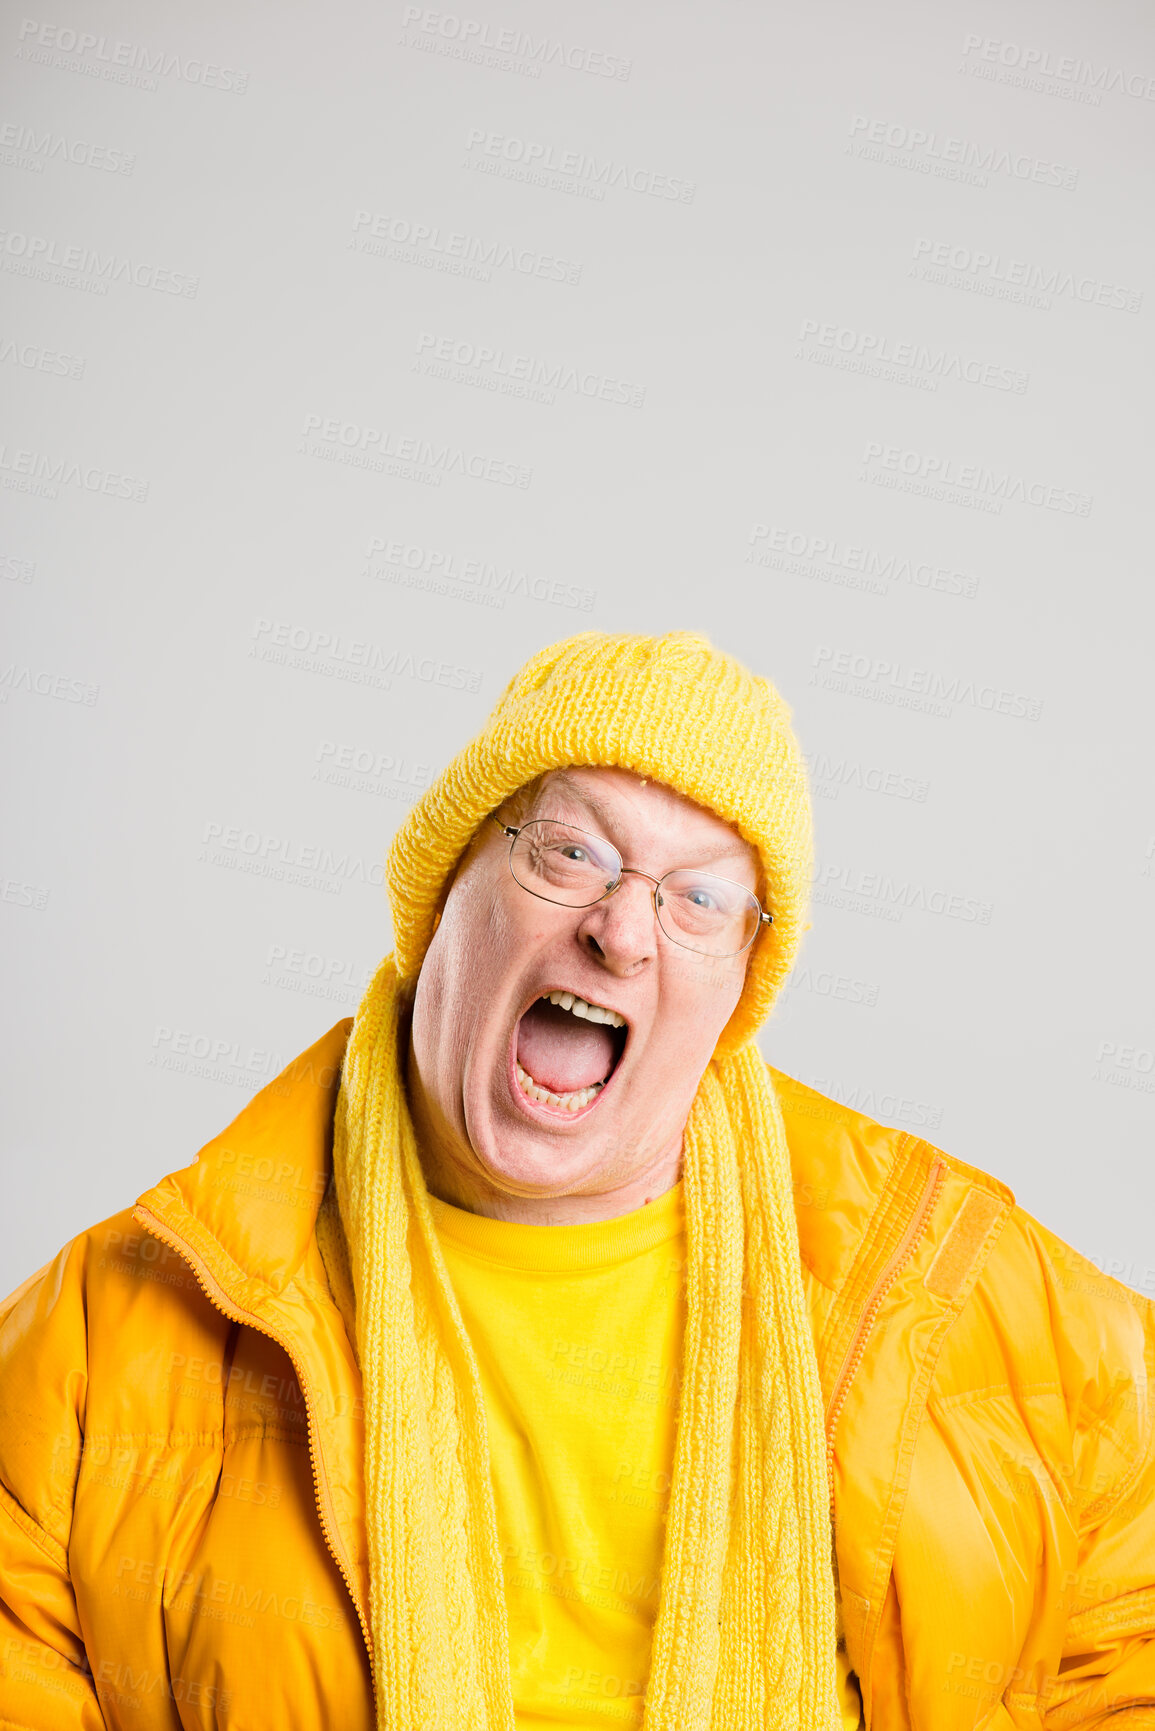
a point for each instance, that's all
(745, 1634)
(673, 708)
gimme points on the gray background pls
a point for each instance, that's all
(351, 354)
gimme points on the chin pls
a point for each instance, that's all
(527, 1151)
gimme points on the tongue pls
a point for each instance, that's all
(562, 1052)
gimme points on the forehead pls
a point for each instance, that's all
(625, 806)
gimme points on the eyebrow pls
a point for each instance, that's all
(734, 849)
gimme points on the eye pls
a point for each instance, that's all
(700, 897)
(572, 850)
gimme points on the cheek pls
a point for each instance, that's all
(428, 1006)
(464, 963)
(482, 935)
(700, 1004)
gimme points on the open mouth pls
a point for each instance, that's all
(566, 1049)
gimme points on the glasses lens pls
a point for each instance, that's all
(562, 864)
(714, 916)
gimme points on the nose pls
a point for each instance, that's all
(621, 932)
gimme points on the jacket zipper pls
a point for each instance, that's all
(903, 1251)
(234, 1312)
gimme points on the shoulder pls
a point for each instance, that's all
(107, 1276)
(1075, 1339)
(79, 1339)
(1041, 1322)
(1092, 1308)
(44, 1331)
(835, 1144)
(851, 1173)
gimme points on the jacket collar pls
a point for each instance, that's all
(248, 1201)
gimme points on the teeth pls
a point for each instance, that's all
(588, 1012)
(560, 1102)
(580, 1096)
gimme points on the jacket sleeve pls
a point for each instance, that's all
(45, 1680)
(1106, 1675)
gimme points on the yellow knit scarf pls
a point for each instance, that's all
(744, 1638)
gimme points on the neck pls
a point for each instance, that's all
(454, 1174)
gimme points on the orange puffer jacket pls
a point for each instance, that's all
(183, 1527)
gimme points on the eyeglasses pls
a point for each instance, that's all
(712, 915)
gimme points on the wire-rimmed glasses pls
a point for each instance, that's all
(559, 863)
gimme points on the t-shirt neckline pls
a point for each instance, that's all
(559, 1249)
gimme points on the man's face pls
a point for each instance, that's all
(480, 1027)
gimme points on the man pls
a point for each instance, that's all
(531, 1354)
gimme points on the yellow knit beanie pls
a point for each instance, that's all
(745, 1632)
(673, 708)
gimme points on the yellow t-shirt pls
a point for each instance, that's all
(578, 1333)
